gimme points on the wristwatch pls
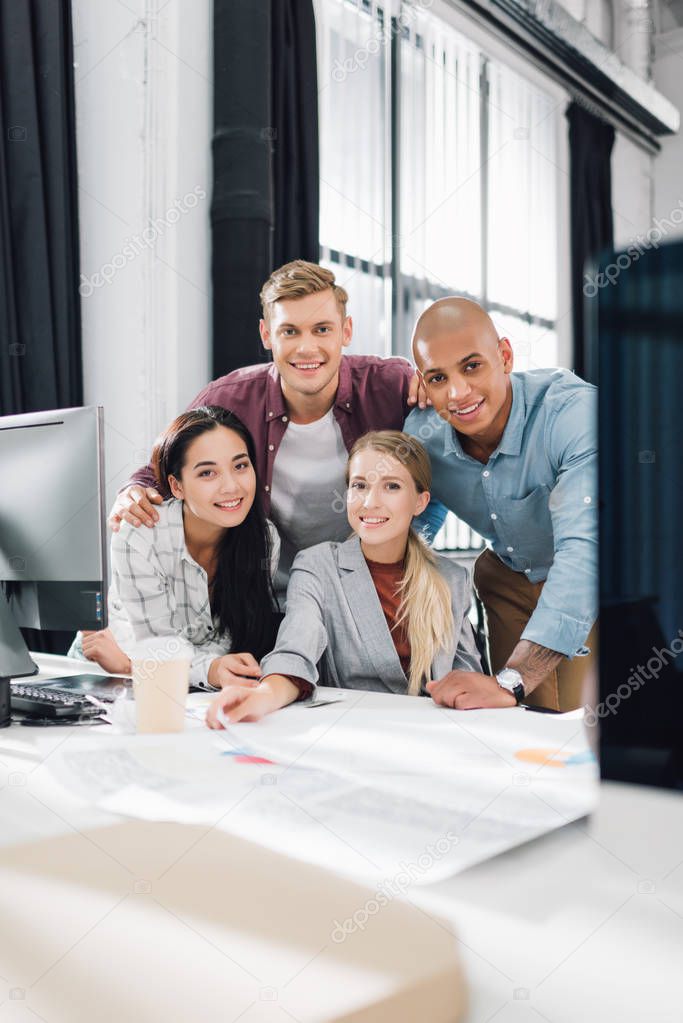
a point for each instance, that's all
(511, 680)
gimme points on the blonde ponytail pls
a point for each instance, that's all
(425, 606)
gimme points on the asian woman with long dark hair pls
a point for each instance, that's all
(204, 572)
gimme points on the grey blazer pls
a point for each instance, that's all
(334, 616)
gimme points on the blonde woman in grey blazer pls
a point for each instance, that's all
(381, 611)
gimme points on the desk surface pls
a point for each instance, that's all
(584, 923)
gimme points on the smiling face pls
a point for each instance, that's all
(306, 336)
(382, 500)
(217, 481)
(466, 376)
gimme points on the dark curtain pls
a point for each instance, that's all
(590, 149)
(40, 330)
(242, 203)
(40, 346)
(295, 132)
(265, 159)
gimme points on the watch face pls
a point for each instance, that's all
(508, 678)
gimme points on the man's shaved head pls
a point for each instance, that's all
(453, 316)
(465, 368)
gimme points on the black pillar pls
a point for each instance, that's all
(590, 150)
(242, 204)
(296, 174)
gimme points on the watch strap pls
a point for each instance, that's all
(517, 690)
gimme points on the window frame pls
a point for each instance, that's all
(399, 284)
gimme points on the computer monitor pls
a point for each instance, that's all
(53, 558)
(636, 357)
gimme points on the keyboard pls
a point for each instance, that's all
(43, 702)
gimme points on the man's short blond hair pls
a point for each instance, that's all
(298, 279)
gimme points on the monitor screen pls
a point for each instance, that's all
(53, 566)
(636, 352)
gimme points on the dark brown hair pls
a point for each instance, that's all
(242, 599)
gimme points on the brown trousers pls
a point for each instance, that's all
(509, 599)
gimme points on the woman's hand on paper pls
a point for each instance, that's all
(102, 648)
(234, 670)
(250, 703)
(469, 690)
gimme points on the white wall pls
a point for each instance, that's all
(647, 190)
(596, 15)
(668, 180)
(143, 123)
(632, 169)
(629, 23)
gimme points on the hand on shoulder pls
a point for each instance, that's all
(135, 505)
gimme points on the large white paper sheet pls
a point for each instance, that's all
(372, 788)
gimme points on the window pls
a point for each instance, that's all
(439, 176)
(354, 57)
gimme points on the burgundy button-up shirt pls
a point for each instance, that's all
(372, 395)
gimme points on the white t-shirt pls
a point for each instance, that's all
(308, 490)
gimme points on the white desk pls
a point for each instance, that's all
(143, 921)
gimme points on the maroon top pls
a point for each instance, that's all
(387, 580)
(372, 395)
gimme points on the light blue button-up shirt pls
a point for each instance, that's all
(535, 500)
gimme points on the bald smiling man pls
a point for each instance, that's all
(514, 456)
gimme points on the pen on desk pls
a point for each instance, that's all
(223, 718)
(323, 703)
(226, 734)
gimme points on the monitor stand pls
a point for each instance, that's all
(15, 660)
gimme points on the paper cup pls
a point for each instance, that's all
(161, 677)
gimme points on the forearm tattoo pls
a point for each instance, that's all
(533, 662)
